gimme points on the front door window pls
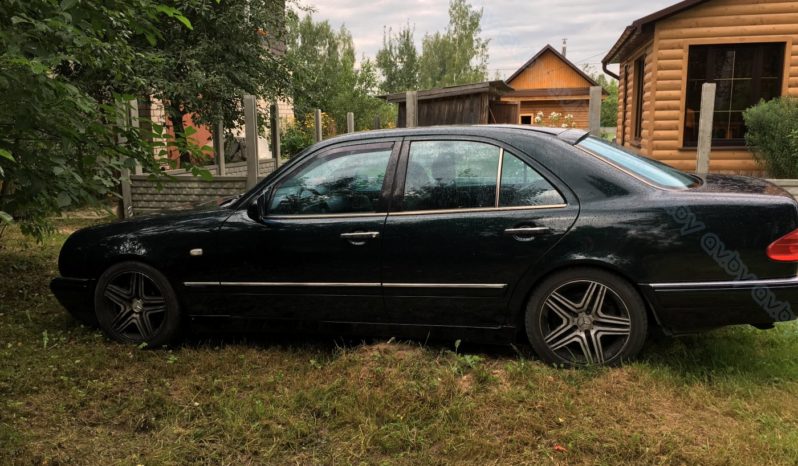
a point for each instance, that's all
(343, 182)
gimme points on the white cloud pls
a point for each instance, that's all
(517, 29)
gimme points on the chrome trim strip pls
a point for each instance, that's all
(302, 284)
(484, 209)
(490, 286)
(727, 284)
(470, 286)
(322, 216)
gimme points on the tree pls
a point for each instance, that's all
(233, 49)
(457, 56)
(609, 106)
(63, 67)
(326, 75)
(397, 60)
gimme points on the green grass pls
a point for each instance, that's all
(69, 396)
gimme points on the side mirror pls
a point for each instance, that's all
(258, 208)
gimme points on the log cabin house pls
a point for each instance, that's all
(749, 48)
(549, 83)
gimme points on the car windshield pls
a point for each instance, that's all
(655, 172)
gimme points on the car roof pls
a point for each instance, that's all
(571, 136)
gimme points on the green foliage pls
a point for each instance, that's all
(457, 56)
(609, 106)
(66, 68)
(326, 76)
(773, 135)
(398, 61)
(232, 49)
(63, 69)
(294, 139)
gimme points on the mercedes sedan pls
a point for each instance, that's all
(485, 233)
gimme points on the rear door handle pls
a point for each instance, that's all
(359, 238)
(361, 235)
(526, 232)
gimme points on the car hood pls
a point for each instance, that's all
(727, 184)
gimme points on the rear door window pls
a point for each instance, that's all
(444, 175)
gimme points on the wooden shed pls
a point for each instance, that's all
(550, 83)
(749, 48)
(470, 104)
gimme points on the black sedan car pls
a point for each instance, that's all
(486, 233)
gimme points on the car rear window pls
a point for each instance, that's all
(650, 170)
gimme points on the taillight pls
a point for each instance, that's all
(785, 249)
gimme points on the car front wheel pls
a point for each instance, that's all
(135, 303)
(585, 317)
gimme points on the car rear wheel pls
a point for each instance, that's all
(586, 317)
(135, 303)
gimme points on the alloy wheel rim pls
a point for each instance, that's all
(136, 305)
(585, 322)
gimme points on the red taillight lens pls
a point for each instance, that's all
(785, 249)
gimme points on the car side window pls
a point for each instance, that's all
(340, 183)
(451, 175)
(522, 185)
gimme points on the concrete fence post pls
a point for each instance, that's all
(411, 109)
(274, 113)
(705, 127)
(218, 148)
(122, 121)
(134, 123)
(317, 133)
(594, 112)
(251, 131)
(350, 122)
(377, 123)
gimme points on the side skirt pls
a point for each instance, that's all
(487, 335)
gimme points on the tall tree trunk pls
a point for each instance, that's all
(176, 115)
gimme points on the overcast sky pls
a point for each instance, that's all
(516, 29)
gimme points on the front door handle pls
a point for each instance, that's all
(359, 238)
(526, 233)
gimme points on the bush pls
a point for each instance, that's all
(773, 136)
(294, 139)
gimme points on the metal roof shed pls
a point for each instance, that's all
(469, 104)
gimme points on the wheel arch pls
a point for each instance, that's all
(522, 293)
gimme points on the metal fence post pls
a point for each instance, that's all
(274, 112)
(251, 130)
(411, 109)
(350, 122)
(594, 111)
(705, 127)
(317, 135)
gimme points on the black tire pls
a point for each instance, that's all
(135, 303)
(585, 316)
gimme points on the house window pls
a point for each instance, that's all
(640, 71)
(526, 119)
(744, 74)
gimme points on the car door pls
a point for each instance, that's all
(470, 217)
(315, 254)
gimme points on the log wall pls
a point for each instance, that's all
(714, 22)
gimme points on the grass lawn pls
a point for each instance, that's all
(69, 396)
